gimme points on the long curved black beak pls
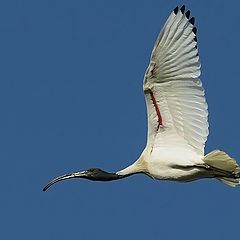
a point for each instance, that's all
(64, 177)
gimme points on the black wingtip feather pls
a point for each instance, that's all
(187, 14)
(195, 39)
(175, 10)
(182, 9)
(194, 30)
(192, 20)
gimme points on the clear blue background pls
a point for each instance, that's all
(71, 98)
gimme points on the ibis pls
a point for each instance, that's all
(177, 115)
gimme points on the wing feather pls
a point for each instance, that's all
(172, 77)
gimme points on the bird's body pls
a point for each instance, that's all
(177, 115)
(166, 164)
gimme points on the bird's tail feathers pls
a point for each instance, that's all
(221, 162)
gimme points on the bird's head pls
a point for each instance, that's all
(94, 174)
(97, 174)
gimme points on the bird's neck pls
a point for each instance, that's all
(106, 176)
(136, 167)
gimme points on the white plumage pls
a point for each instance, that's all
(177, 115)
(176, 105)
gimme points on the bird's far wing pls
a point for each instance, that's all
(176, 106)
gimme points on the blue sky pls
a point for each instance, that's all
(71, 98)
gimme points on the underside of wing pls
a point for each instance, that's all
(176, 105)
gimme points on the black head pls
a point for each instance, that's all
(97, 174)
(94, 174)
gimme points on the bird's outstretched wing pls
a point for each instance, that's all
(176, 106)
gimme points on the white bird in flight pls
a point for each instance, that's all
(177, 115)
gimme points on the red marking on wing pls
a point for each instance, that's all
(160, 122)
